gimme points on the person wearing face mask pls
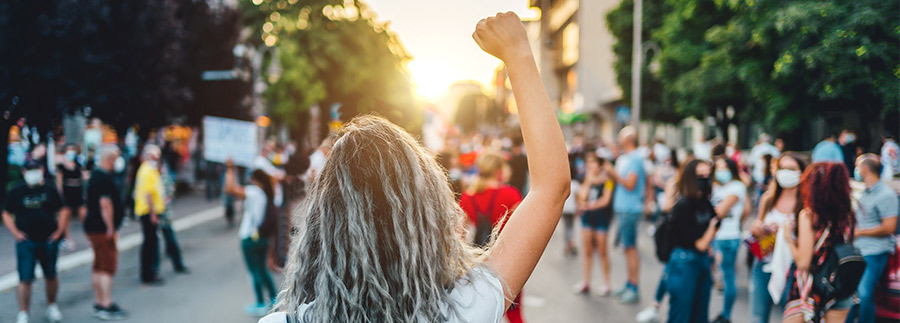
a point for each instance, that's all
(877, 221)
(847, 140)
(148, 205)
(70, 181)
(487, 202)
(33, 214)
(779, 203)
(728, 196)
(694, 225)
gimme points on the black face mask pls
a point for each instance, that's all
(705, 185)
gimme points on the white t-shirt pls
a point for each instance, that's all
(254, 211)
(731, 225)
(571, 206)
(703, 150)
(478, 297)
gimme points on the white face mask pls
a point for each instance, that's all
(34, 177)
(787, 178)
(119, 166)
(70, 155)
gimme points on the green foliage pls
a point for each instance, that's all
(333, 52)
(775, 62)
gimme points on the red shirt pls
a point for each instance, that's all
(507, 199)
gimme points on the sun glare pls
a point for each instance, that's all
(431, 79)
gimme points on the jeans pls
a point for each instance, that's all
(173, 250)
(688, 281)
(728, 249)
(255, 257)
(661, 288)
(149, 249)
(866, 291)
(29, 253)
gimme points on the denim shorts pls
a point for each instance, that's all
(29, 253)
(628, 227)
(596, 221)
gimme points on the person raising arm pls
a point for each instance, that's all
(521, 244)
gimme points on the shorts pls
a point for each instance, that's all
(73, 197)
(628, 227)
(106, 256)
(29, 253)
(596, 221)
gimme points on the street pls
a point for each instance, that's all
(218, 287)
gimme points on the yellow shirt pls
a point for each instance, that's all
(148, 182)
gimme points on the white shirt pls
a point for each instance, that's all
(757, 162)
(263, 163)
(316, 163)
(703, 151)
(731, 225)
(254, 211)
(571, 206)
(478, 299)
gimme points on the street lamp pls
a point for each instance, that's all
(638, 51)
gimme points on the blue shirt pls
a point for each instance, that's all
(630, 201)
(827, 151)
(876, 204)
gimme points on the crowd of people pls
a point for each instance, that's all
(379, 230)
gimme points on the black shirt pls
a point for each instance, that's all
(518, 164)
(34, 209)
(101, 185)
(691, 218)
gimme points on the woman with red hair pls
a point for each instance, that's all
(826, 219)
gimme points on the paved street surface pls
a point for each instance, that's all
(218, 288)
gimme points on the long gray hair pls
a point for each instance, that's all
(382, 237)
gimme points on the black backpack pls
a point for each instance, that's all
(483, 224)
(840, 273)
(269, 225)
(661, 238)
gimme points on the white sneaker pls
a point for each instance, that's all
(68, 245)
(22, 317)
(648, 315)
(53, 313)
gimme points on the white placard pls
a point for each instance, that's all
(229, 138)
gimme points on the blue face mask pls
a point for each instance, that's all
(723, 176)
(857, 175)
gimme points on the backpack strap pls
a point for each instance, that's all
(491, 203)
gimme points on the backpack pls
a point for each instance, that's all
(840, 273)
(664, 245)
(269, 225)
(483, 224)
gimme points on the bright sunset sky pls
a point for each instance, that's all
(438, 34)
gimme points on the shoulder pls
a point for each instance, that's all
(479, 296)
(277, 317)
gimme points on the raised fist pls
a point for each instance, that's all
(503, 36)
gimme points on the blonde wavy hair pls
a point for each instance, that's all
(489, 164)
(381, 234)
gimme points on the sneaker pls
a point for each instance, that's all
(114, 313)
(721, 319)
(183, 271)
(604, 291)
(620, 292)
(581, 288)
(22, 317)
(630, 296)
(68, 245)
(648, 315)
(158, 281)
(53, 313)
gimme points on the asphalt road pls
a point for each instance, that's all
(218, 287)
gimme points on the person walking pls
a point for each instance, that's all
(172, 248)
(628, 206)
(777, 205)
(35, 216)
(104, 216)
(255, 241)
(877, 222)
(827, 150)
(382, 241)
(595, 197)
(693, 228)
(728, 196)
(488, 203)
(826, 219)
(148, 205)
(70, 181)
(518, 164)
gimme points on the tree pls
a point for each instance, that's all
(332, 52)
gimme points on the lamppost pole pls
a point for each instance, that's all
(637, 61)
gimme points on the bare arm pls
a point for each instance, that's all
(107, 212)
(231, 185)
(703, 243)
(629, 182)
(671, 193)
(62, 219)
(757, 226)
(887, 228)
(601, 202)
(803, 248)
(523, 240)
(10, 224)
(725, 206)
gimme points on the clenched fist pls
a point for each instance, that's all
(503, 36)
